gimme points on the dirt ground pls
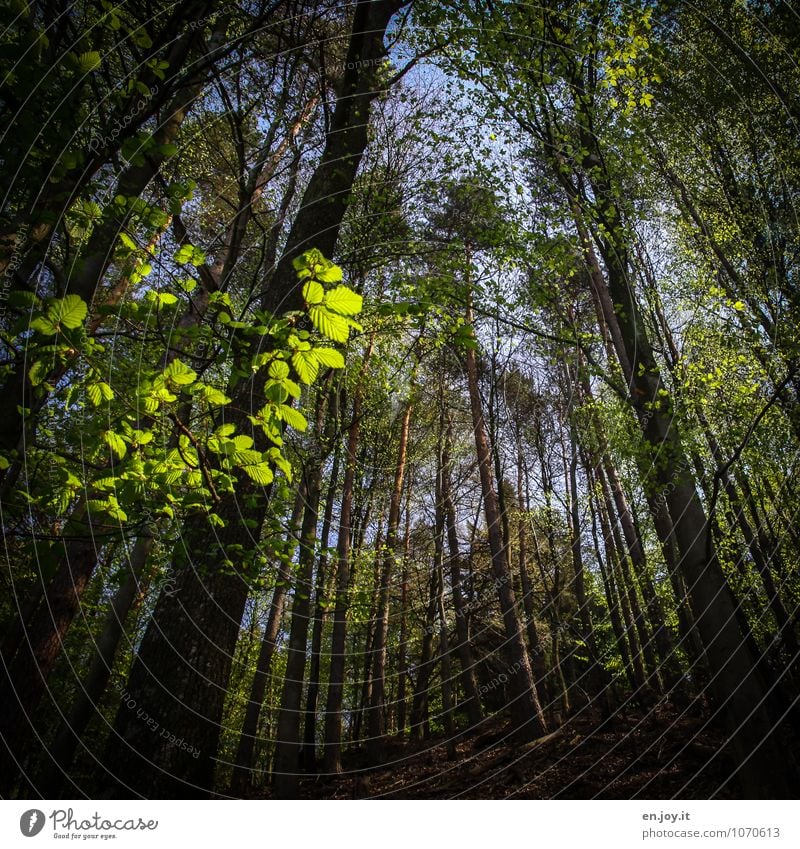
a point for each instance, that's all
(666, 752)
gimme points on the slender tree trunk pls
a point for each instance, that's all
(333, 706)
(446, 673)
(782, 619)
(320, 590)
(285, 772)
(472, 702)
(534, 643)
(369, 641)
(377, 724)
(402, 655)
(525, 708)
(241, 779)
(214, 601)
(62, 750)
(655, 613)
(641, 687)
(419, 703)
(597, 674)
(739, 690)
(613, 603)
(24, 676)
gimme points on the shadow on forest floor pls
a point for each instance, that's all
(663, 753)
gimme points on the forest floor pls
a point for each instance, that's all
(665, 752)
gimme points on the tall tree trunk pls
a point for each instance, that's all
(286, 768)
(402, 654)
(526, 711)
(739, 690)
(62, 750)
(641, 688)
(166, 733)
(612, 600)
(597, 675)
(333, 705)
(655, 613)
(534, 643)
(446, 674)
(782, 619)
(377, 725)
(365, 680)
(211, 599)
(472, 701)
(419, 702)
(242, 777)
(23, 680)
(320, 607)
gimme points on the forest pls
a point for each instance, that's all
(400, 399)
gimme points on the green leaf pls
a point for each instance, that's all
(306, 365)
(281, 462)
(180, 373)
(44, 326)
(69, 312)
(21, 299)
(293, 418)
(189, 254)
(142, 437)
(246, 457)
(99, 392)
(89, 61)
(128, 242)
(110, 507)
(330, 274)
(292, 388)
(260, 473)
(278, 370)
(220, 298)
(344, 301)
(313, 293)
(330, 325)
(275, 391)
(304, 264)
(38, 372)
(225, 429)
(142, 39)
(329, 357)
(214, 396)
(165, 299)
(115, 443)
(242, 442)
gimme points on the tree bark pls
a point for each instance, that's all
(193, 708)
(526, 711)
(333, 705)
(24, 676)
(402, 654)
(62, 750)
(320, 609)
(597, 674)
(242, 777)
(376, 726)
(286, 768)
(472, 701)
